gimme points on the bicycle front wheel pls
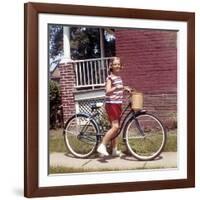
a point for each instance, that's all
(80, 134)
(145, 137)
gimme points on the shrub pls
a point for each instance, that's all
(171, 122)
(56, 117)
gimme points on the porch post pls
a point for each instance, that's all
(66, 42)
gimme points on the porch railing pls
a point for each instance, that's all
(91, 72)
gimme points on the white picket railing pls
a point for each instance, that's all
(91, 72)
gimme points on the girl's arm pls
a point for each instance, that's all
(109, 88)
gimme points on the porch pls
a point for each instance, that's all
(82, 83)
(91, 73)
(90, 77)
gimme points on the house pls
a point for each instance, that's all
(149, 58)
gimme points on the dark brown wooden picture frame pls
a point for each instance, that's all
(31, 109)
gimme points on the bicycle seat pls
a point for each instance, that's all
(96, 105)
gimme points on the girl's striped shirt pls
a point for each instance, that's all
(117, 95)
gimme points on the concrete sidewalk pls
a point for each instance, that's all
(166, 160)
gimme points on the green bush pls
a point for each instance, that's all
(55, 105)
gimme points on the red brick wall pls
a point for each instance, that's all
(67, 82)
(150, 65)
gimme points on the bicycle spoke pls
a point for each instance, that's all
(80, 136)
(145, 137)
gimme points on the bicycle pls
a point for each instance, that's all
(143, 133)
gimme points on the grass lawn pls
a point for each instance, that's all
(57, 144)
(60, 170)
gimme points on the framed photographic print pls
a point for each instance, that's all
(109, 99)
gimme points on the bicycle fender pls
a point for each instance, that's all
(84, 115)
(130, 117)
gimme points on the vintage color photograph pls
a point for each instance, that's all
(108, 99)
(112, 99)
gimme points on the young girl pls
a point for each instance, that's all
(113, 106)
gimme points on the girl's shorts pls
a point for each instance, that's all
(114, 111)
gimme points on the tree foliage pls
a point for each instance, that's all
(84, 42)
(55, 40)
(55, 105)
(109, 43)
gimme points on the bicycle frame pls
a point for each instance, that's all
(130, 114)
(101, 132)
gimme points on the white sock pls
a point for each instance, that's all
(114, 149)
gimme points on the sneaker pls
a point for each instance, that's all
(116, 153)
(102, 150)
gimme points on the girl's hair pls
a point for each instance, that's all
(110, 63)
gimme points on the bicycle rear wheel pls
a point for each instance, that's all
(145, 137)
(80, 134)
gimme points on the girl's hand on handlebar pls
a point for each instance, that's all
(128, 89)
(133, 90)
